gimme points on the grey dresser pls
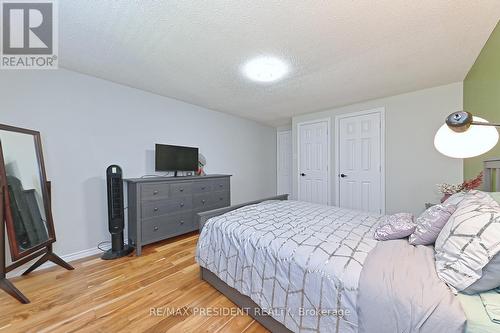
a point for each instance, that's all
(164, 207)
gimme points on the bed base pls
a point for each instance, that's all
(242, 301)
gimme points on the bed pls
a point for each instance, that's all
(301, 267)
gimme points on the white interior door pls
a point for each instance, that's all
(360, 162)
(313, 162)
(284, 172)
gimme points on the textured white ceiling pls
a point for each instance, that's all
(340, 51)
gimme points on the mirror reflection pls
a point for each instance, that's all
(25, 189)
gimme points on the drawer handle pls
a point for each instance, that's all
(182, 221)
(155, 192)
(155, 228)
(182, 204)
(156, 209)
(181, 190)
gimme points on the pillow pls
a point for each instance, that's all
(468, 241)
(456, 198)
(395, 226)
(490, 278)
(430, 224)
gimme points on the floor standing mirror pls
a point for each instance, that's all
(25, 206)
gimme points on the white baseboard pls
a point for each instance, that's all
(68, 258)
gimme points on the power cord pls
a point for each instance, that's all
(99, 246)
(152, 176)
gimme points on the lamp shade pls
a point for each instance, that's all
(477, 140)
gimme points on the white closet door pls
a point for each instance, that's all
(313, 162)
(360, 170)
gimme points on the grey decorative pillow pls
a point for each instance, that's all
(490, 278)
(468, 241)
(395, 226)
(430, 224)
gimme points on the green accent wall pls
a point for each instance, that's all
(482, 95)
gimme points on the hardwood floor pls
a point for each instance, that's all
(161, 291)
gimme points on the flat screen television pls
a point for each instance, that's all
(175, 158)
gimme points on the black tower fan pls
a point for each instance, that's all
(116, 215)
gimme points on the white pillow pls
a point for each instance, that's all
(469, 240)
(456, 198)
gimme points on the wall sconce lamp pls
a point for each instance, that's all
(464, 135)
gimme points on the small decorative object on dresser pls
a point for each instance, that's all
(202, 162)
(164, 207)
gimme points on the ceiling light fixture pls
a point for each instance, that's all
(265, 69)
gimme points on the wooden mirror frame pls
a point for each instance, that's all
(16, 254)
(43, 250)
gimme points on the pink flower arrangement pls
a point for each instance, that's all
(468, 185)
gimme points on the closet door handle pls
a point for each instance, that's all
(342, 175)
(303, 174)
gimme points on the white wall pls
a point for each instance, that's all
(413, 166)
(87, 124)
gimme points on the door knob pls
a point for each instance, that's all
(303, 174)
(343, 175)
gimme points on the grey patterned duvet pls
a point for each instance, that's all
(299, 262)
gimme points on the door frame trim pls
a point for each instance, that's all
(381, 111)
(277, 157)
(329, 157)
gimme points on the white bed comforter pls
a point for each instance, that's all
(298, 261)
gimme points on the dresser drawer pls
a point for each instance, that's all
(180, 189)
(202, 186)
(154, 191)
(221, 184)
(159, 228)
(161, 207)
(220, 199)
(202, 200)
